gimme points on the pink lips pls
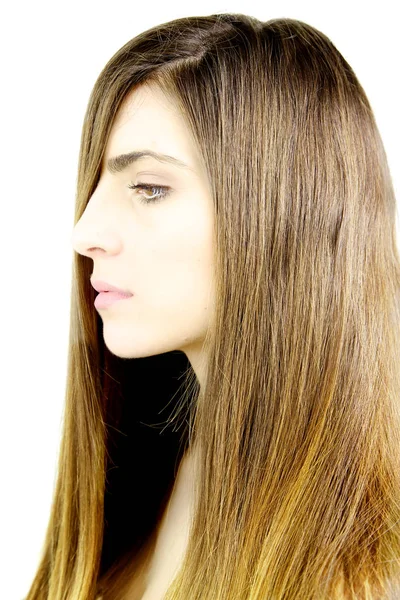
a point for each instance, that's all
(103, 286)
(108, 294)
(106, 299)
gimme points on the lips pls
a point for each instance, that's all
(103, 286)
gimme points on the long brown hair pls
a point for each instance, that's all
(298, 422)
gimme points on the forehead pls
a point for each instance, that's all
(145, 100)
(148, 119)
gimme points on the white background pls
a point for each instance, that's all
(51, 55)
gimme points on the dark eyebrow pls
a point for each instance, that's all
(119, 163)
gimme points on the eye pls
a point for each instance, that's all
(165, 190)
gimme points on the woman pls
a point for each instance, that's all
(260, 309)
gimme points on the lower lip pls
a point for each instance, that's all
(106, 299)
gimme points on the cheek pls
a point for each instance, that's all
(184, 265)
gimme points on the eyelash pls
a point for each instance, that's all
(149, 186)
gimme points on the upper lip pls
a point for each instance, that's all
(103, 286)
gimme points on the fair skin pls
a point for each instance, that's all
(163, 254)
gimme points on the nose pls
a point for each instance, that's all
(84, 242)
(91, 242)
(96, 230)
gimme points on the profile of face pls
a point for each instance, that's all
(162, 251)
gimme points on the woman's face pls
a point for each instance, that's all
(162, 252)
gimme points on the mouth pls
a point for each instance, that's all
(104, 287)
(107, 298)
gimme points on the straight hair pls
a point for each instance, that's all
(298, 423)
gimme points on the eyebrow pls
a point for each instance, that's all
(119, 163)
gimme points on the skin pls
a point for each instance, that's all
(162, 252)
